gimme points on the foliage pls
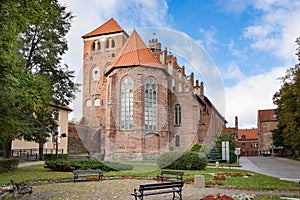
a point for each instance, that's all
(288, 111)
(182, 161)
(68, 166)
(32, 43)
(9, 164)
(51, 156)
(217, 197)
(232, 145)
(200, 148)
(213, 154)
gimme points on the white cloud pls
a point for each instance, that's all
(251, 94)
(233, 72)
(276, 29)
(209, 38)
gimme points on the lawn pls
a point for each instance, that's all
(147, 169)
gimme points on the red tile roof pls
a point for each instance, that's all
(249, 133)
(111, 26)
(267, 115)
(135, 53)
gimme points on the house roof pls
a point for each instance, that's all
(249, 133)
(111, 26)
(267, 115)
(135, 53)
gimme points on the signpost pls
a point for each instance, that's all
(237, 152)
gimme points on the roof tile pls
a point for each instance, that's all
(135, 53)
(111, 26)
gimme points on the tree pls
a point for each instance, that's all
(32, 43)
(288, 111)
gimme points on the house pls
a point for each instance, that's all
(266, 123)
(248, 141)
(138, 101)
(21, 148)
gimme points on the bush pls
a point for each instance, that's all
(182, 161)
(51, 156)
(9, 164)
(68, 166)
(200, 148)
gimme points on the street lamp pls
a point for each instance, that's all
(56, 135)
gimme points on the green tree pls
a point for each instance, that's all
(32, 43)
(288, 111)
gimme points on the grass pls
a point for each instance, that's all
(148, 169)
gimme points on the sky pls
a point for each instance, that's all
(251, 43)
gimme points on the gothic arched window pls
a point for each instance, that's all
(177, 114)
(126, 107)
(150, 106)
(113, 44)
(107, 44)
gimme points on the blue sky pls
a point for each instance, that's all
(251, 42)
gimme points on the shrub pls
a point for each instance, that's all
(51, 156)
(9, 164)
(182, 161)
(200, 148)
(68, 166)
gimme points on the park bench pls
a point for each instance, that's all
(159, 188)
(170, 176)
(87, 172)
(20, 187)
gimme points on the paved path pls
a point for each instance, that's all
(285, 169)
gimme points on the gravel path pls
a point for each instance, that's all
(120, 189)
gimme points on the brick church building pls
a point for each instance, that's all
(137, 100)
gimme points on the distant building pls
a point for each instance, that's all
(137, 101)
(266, 123)
(248, 141)
(60, 114)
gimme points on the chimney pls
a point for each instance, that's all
(183, 70)
(201, 90)
(236, 128)
(165, 55)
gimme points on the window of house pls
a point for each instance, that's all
(177, 114)
(200, 113)
(56, 115)
(95, 74)
(150, 106)
(177, 140)
(126, 105)
(243, 137)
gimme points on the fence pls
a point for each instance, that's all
(31, 154)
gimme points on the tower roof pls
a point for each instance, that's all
(135, 53)
(111, 26)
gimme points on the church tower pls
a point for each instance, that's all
(101, 46)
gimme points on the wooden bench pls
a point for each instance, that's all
(20, 187)
(159, 188)
(87, 172)
(170, 176)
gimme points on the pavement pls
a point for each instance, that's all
(282, 168)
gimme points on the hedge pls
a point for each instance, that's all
(52, 156)
(9, 164)
(69, 166)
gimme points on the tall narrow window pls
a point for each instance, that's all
(126, 115)
(107, 44)
(150, 104)
(113, 44)
(177, 140)
(177, 114)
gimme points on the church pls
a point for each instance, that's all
(138, 101)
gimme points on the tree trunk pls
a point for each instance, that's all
(41, 151)
(7, 148)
